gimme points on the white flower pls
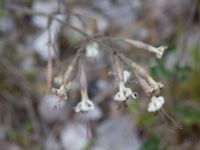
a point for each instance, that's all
(92, 50)
(85, 104)
(124, 93)
(156, 103)
(126, 75)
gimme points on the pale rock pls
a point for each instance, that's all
(74, 137)
(117, 133)
(46, 109)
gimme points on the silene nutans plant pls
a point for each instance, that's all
(90, 48)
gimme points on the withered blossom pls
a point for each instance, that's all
(158, 51)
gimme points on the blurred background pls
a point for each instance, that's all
(27, 120)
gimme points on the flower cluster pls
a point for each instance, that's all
(150, 86)
(124, 93)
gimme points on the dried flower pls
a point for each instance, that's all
(158, 51)
(61, 92)
(65, 81)
(156, 103)
(150, 86)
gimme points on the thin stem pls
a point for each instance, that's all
(70, 69)
(49, 65)
(168, 116)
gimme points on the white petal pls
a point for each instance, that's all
(126, 75)
(152, 107)
(155, 104)
(134, 95)
(78, 107)
(128, 93)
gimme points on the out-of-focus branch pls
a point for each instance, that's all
(25, 10)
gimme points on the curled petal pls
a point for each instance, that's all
(129, 93)
(124, 93)
(134, 95)
(119, 96)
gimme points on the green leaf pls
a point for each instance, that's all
(31, 74)
(195, 53)
(183, 72)
(172, 48)
(152, 143)
(145, 119)
(154, 72)
(3, 14)
(187, 115)
(28, 127)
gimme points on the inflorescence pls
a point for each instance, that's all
(124, 93)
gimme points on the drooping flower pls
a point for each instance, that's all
(155, 104)
(122, 76)
(65, 82)
(158, 51)
(85, 104)
(61, 92)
